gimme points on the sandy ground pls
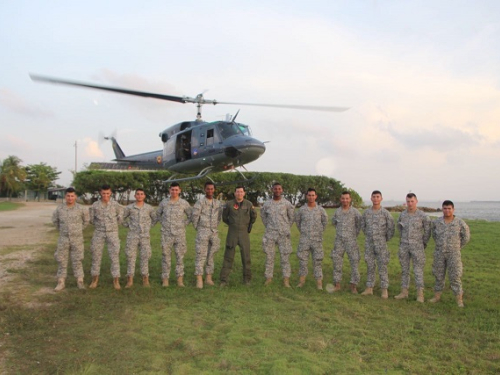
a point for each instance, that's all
(26, 225)
(24, 231)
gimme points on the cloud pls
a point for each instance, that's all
(439, 138)
(325, 167)
(17, 104)
(91, 148)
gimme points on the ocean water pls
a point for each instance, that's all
(476, 210)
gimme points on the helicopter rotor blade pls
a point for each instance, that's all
(172, 98)
(199, 99)
(234, 118)
(291, 106)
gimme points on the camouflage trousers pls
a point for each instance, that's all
(415, 253)
(270, 240)
(178, 242)
(69, 247)
(315, 248)
(135, 241)
(207, 244)
(97, 246)
(451, 262)
(377, 254)
(340, 248)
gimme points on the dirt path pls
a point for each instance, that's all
(22, 232)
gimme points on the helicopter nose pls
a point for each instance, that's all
(253, 148)
(246, 149)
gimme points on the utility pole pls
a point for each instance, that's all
(76, 156)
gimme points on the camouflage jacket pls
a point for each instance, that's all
(174, 216)
(207, 214)
(71, 221)
(414, 228)
(347, 224)
(450, 237)
(139, 220)
(311, 222)
(277, 215)
(378, 224)
(106, 217)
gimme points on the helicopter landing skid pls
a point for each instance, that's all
(240, 182)
(201, 174)
(205, 172)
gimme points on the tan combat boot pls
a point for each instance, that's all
(460, 302)
(145, 281)
(384, 294)
(437, 297)
(403, 294)
(208, 280)
(336, 288)
(319, 284)
(130, 282)
(60, 285)
(79, 283)
(164, 282)
(116, 283)
(180, 281)
(95, 281)
(286, 282)
(269, 280)
(354, 290)
(367, 292)
(420, 295)
(199, 281)
(302, 281)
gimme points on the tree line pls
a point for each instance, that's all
(14, 177)
(88, 183)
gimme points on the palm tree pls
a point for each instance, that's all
(12, 175)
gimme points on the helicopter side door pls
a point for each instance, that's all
(183, 146)
(207, 140)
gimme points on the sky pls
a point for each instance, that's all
(421, 80)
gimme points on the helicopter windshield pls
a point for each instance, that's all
(227, 130)
(245, 129)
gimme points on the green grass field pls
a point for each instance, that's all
(256, 329)
(9, 206)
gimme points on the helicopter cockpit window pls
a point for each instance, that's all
(228, 130)
(210, 137)
(245, 129)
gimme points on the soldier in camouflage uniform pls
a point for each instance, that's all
(139, 217)
(277, 215)
(105, 215)
(239, 215)
(311, 220)
(378, 226)
(451, 234)
(347, 221)
(206, 216)
(70, 219)
(415, 231)
(174, 214)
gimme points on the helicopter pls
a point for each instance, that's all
(193, 147)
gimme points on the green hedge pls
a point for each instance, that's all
(88, 183)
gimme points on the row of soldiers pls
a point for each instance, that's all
(278, 215)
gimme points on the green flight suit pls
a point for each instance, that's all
(239, 217)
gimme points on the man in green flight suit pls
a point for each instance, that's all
(239, 215)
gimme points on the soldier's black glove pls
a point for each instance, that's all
(250, 227)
